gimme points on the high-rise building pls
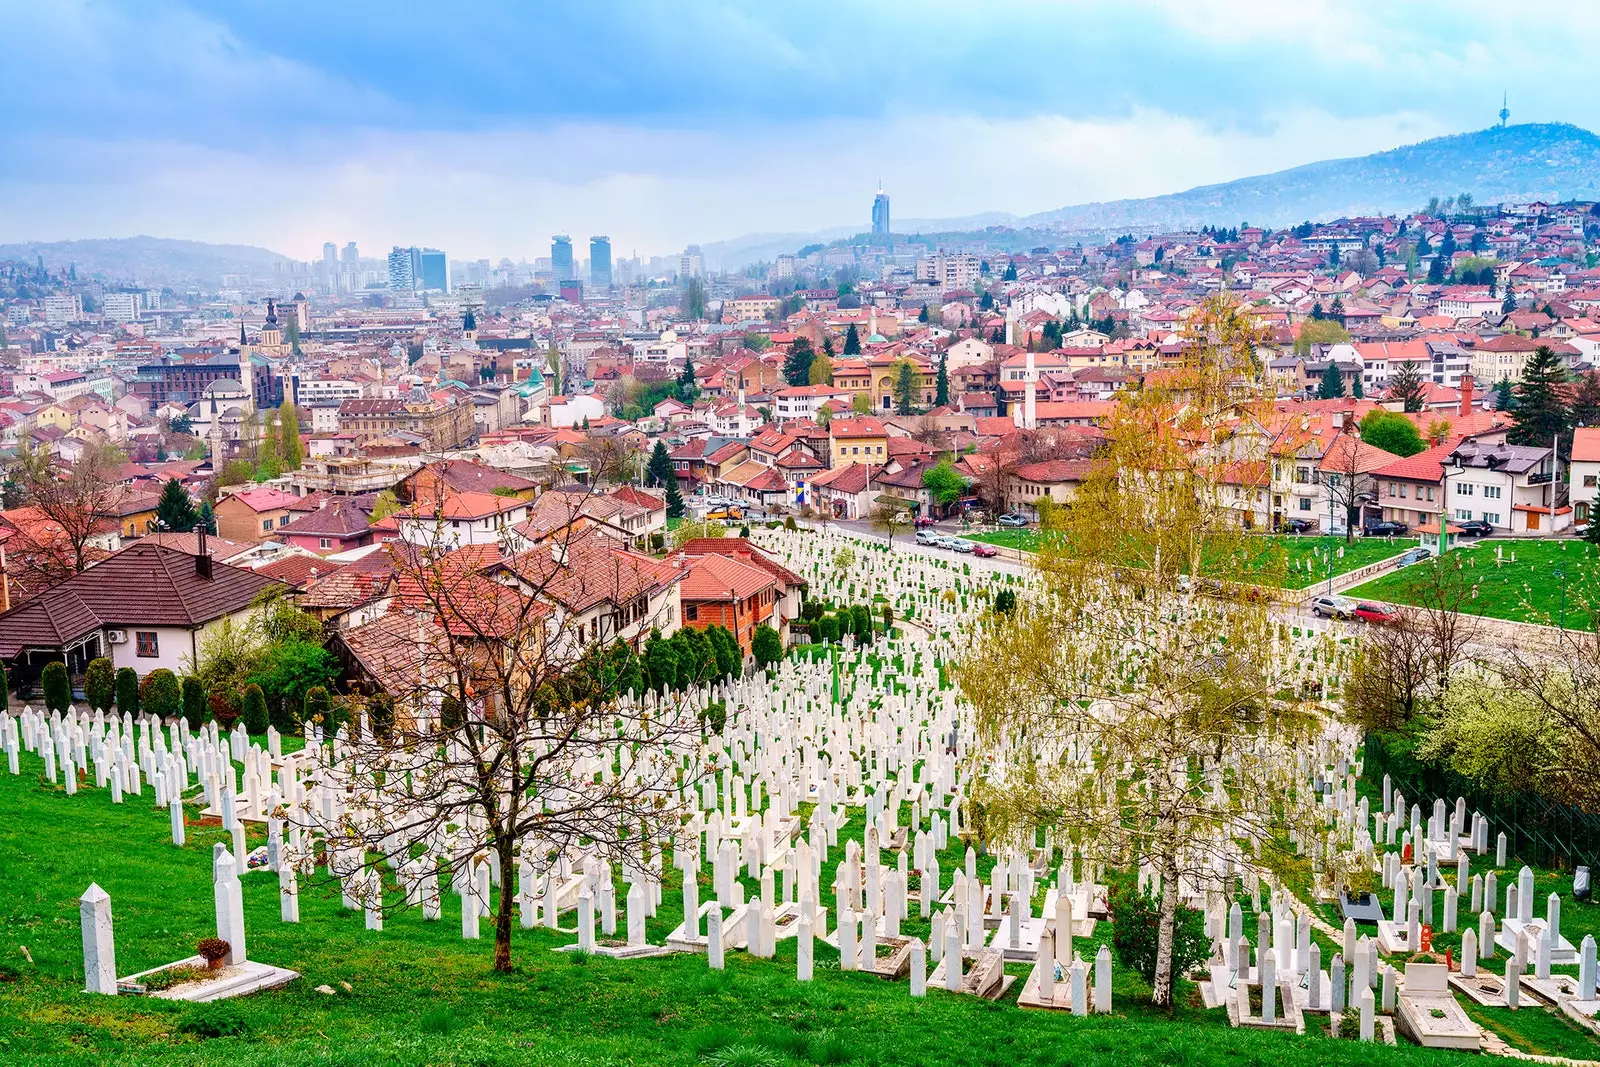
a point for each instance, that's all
(600, 262)
(880, 214)
(561, 258)
(401, 276)
(62, 308)
(121, 307)
(691, 264)
(330, 265)
(433, 269)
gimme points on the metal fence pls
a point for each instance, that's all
(1538, 832)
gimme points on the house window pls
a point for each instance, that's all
(324, 542)
(1305, 503)
(1402, 492)
(1463, 513)
(1430, 492)
(1492, 492)
(691, 612)
(1588, 481)
(1493, 518)
(145, 644)
(266, 526)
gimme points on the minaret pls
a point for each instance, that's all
(1030, 417)
(1011, 324)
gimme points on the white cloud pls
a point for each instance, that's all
(504, 192)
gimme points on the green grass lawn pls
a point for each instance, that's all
(417, 993)
(1304, 559)
(1527, 590)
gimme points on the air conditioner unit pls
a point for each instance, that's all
(117, 637)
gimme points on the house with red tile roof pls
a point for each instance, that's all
(338, 525)
(143, 607)
(460, 519)
(255, 514)
(727, 591)
(792, 587)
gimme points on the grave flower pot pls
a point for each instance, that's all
(213, 950)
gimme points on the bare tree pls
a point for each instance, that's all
(1152, 726)
(77, 503)
(507, 720)
(1345, 475)
(1393, 673)
(611, 457)
(1439, 593)
(891, 517)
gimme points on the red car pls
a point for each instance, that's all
(981, 549)
(1372, 613)
(923, 522)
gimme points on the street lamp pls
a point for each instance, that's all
(1561, 573)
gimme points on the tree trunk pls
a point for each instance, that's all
(1161, 996)
(502, 915)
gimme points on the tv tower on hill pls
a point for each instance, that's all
(1505, 112)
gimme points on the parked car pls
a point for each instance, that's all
(1369, 612)
(1416, 555)
(1333, 607)
(924, 522)
(1013, 522)
(958, 544)
(1475, 528)
(1384, 528)
(942, 541)
(1298, 526)
(983, 550)
(928, 537)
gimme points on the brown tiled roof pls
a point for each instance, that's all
(339, 519)
(740, 548)
(216, 547)
(463, 476)
(849, 479)
(722, 578)
(143, 585)
(594, 571)
(298, 571)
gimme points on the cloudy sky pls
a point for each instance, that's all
(484, 127)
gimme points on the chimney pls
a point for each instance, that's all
(1466, 395)
(1338, 420)
(202, 559)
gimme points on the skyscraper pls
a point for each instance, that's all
(401, 278)
(880, 214)
(350, 265)
(435, 270)
(561, 257)
(600, 262)
(330, 265)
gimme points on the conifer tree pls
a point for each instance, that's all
(797, 364)
(941, 395)
(852, 341)
(1541, 414)
(175, 511)
(1406, 385)
(1502, 395)
(1332, 387)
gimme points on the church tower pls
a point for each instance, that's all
(271, 333)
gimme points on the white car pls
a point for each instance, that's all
(1337, 607)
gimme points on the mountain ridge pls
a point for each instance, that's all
(1552, 161)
